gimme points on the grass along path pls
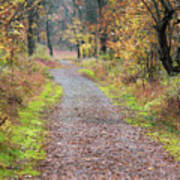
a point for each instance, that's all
(21, 147)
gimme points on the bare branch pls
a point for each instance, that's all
(149, 9)
(157, 9)
(167, 5)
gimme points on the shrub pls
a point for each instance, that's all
(41, 53)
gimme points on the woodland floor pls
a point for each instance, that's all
(90, 141)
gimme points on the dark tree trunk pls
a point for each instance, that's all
(162, 16)
(103, 37)
(48, 34)
(38, 29)
(78, 51)
(164, 48)
(164, 52)
(103, 40)
(30, 34)
(101, 4)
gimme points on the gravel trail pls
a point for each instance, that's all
(90, 141)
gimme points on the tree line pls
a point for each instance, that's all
(139, 31)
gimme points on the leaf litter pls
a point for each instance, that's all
(90, 141)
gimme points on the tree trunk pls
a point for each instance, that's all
(164, 52)
(38, 29)
(30, 34)
(49, 38)
(164, 48)
(103, 37)
(78, 51)
(103, 40)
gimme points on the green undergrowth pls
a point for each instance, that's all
(88, 73)
(21, 143)
(41, 53)
(138, 115)
(136, 112)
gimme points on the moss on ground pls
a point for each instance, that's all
(22, 143)
(87, 72)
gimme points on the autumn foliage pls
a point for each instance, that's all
(136, 49)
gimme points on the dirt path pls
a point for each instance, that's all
(91, 142)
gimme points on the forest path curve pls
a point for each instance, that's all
(90, 141)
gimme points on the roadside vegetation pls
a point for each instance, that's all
(26, 90)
